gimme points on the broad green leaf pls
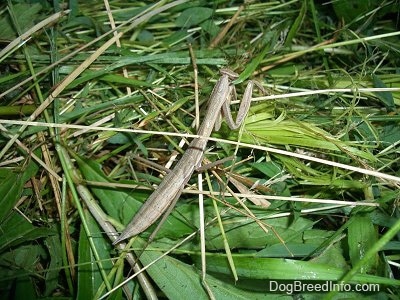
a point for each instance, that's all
(210, 27)
(269, 168)
(89, 276)
(145, 37)
(181, 281)
(296, 24)
(12, 187)
(86, 270)
(279, 250)
(54, 268)
(121, 204)
(114, 201)
(315, 236)
(385, 97)
(18, 267)
(287, 269)
(26, 15)
(362, 235)
(25, 289)
(193, 16)
(332, 256)
(241, 232)
(104, 250)
(381, 218)
(10, 191)
(132, 137)
(390, 134)
(15, 230)
(118, 138)
(395, 246)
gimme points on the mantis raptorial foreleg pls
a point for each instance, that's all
(244, 105)
(173, 183)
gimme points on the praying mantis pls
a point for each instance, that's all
(164, 198)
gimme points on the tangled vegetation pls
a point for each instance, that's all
(97, 97)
